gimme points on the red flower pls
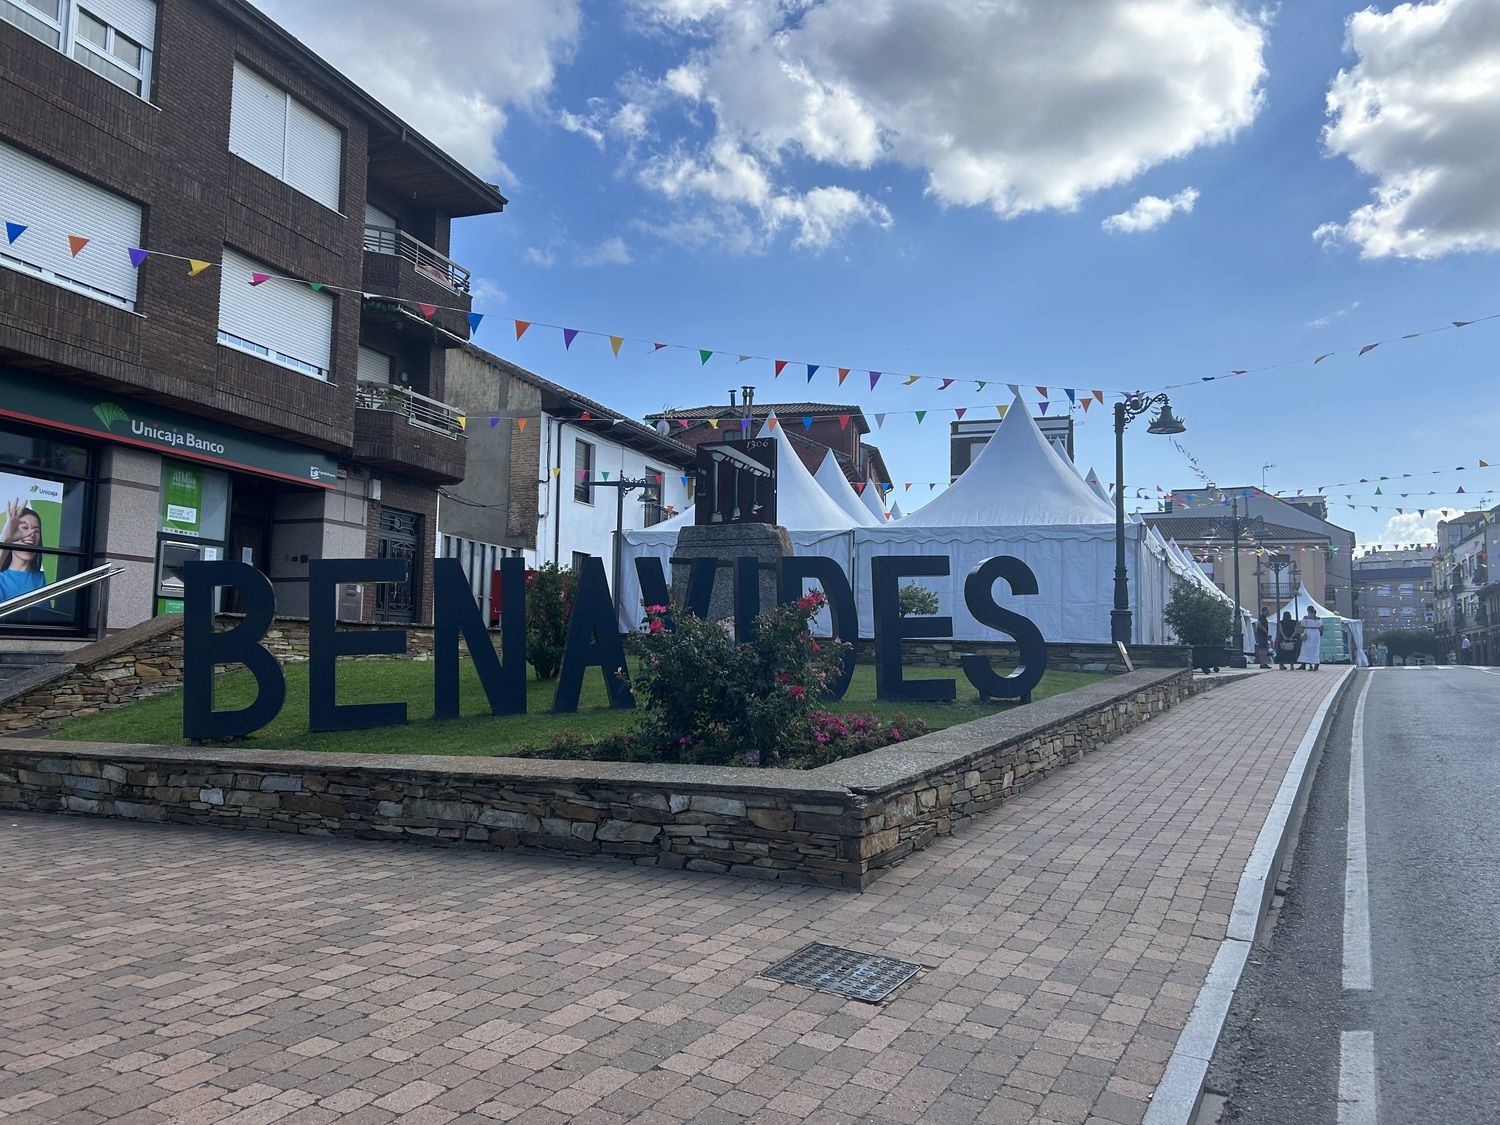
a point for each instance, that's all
(796, 691)
(813, 601)
(656, 610)
(656, 625)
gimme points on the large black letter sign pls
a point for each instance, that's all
(886, 572)
(980, 598)
(700, 584)
(326, 644)
(504, 681)
(593, 638)
(202, 649)
(835, 583)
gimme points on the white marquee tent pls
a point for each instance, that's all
(1342, 638)
(870, 497)
(833, 481)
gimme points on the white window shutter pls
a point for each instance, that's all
(314, 155)
(374, 367)
(375, 217)
(257, 122)
(54, 204)
(286, 317)
(135, 18)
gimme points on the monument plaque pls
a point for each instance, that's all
(736, 482)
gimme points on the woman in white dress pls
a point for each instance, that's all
(1312, 641)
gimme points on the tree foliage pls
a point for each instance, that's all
(1197, 617)
(915, 600)
(549, 608)
(1408, 642)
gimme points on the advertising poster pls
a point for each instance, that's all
(33, 520)
(181, 498)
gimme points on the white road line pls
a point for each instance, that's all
(1356, 861)
(1357, 1078)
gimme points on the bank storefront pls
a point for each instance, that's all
(88, 477)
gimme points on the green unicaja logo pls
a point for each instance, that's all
(109, 413)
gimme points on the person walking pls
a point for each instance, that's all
(1286, 640)
(1311, 628)
(1263, 639)
(1464, 651)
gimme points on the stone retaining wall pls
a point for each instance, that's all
(840, 825)
(1066, 657)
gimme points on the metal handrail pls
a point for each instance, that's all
(418, 409)
(424, 259)
(57, 589)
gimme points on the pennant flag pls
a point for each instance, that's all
(1073, 398)
(137, 256)
(742, 359)
(908, 486)
(521, 423)
(521, 326)
(569, 335)
(921, 414)
(259, 278)
(879, 421)
(910, 379)
(586, 416)
(843, 374)
(843, 421)
(1421, 511)
(317, 287)
(1456, 323)
(582, 473)
(1460, 488)
(428, 311)
(1086, 403)
(684, 423)
(811, 368)
(779, 364)
(474, 319)
(981, 385)
(932, 486)
(1368, 348)
(703, 355)
(874, 378)
(744, 423)
(807, 421)
(463, 421)
(946, 384)
(713, 423)
(614, 344)
(1042, 391)
(1000, 410)
(859, 486)
(959, 412)
(1099, 395)
(76, 243)
(1378, 492)
(556, 472)
(1483, 464)
(656, 348)
(771, 422)
(604, 476)
(1239, 371)
(14, 231)
(197, 266)
(683, 480)
(494, 422)
(1044, 406)
(1321, 358)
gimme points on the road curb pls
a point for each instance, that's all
(1181, 1088)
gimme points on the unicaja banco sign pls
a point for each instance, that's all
(111, 413)
(593, 634)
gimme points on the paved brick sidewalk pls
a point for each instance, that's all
(151, 973)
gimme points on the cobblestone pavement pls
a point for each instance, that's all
(152, 973)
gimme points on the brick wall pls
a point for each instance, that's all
(409, 497)
(842, 825)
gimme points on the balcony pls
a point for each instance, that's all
(411, 273)
(399, 429)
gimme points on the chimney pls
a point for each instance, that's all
(731, 398)
(749, 396)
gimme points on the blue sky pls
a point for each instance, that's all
(784, 180)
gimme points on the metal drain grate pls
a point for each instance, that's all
(844, 972)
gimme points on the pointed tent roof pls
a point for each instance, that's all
(1297, 607)
(833, 482)
(870, 497)
(801, 502)
(1093, 481)
(896, 512)
(1017, 480)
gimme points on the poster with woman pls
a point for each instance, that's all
(33, 520)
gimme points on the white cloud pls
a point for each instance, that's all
(1018, 106)
(562, 250)
(1329, 318)
(450, 68)
(1150, 211)
(1420, 112)
(1409, 527)
(486, 294)
(610, 252)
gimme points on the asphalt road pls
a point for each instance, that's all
(1418, 1043)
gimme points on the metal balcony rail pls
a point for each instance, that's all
(418, 409)
(101, 573)
(424, 259)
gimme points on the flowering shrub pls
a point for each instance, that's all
(703, 697)
(549, 607)
(842, 736)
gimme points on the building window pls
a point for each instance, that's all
(49, 203)
(48, 537)
(583, 471)
(113, 38)
(279, 135)
(279, 320)
(375, 366)
(651, 503)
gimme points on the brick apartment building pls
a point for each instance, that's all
(165, 412)
(840, 427)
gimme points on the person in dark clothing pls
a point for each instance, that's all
(1286, 641)
(1263, 639)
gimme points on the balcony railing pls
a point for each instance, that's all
(419, 410)
(424, 259)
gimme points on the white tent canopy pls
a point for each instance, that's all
(896, 512)
(801, 502)
(870, 497)
(1017, 480)
(833, 482)
(1340, 640)
(1298, 606)
(1097, 486)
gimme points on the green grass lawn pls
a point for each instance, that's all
(159, 720)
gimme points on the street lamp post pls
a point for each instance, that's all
(624, 487)
(1165, 422)
(1237, 527)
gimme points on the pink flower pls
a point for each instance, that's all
(809, 602)
(796, 691)
(656, 625)
(783, 677)
(821, 737)
(895, 735)
(685, 740)
(656, 610)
